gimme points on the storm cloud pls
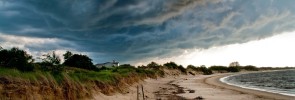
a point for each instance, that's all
(131, 30)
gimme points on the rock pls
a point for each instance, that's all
(199, 98)
(191, 91)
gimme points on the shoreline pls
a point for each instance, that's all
(215, 81)
(252, 88)
(189, 87)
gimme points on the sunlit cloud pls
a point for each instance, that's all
(275, 51)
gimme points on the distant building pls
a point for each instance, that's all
(108, 64)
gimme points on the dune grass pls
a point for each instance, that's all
(78, 75)
(14, 73)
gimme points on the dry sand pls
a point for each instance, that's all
(154, 89)
(190, 87)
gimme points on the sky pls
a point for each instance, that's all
(198, 32)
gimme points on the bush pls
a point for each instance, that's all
(126, 66)
(16, 58)
(183, 70)
(51, 59)
(171, 65)
(218, 68)
(57, 69)
(250, 68)
(233, 69)
(205, 70)
(80, 61)
(153, 65)
(193, 68)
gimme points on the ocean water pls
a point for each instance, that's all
(281, 82)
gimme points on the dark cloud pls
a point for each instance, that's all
(129, 30)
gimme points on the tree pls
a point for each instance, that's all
(16, 58)
(205, 70)
(67, 55)
(234, 67)
(51, 62)
(233, 64)
(51, 59)
(80, 61)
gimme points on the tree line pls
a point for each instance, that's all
(21, 60)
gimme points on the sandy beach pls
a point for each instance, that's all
(190, 87)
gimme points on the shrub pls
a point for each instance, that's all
(218, 68)
(126, 66)
(51, 59)
(57, 69)
(233, 69)
(250, 68)
(16, 58)
(193, 68)
(80, 61)
(205, 70)
(153, 65)
(183, 70)
(171, 65)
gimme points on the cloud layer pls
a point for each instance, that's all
(132, 30)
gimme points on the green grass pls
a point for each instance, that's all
(85, 76)
(79, 75)
(108, 75)
(32, 76)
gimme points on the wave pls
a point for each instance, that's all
(224, 80)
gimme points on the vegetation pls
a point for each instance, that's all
(202, 69)
(250, 68)
(51, 59)
(192, 67)
(77, 77)
(171, 65)
(153, 65)
(16, 58)
(233, 69)
(182, 69)
(79, 61)
(220, 69)
(67, 55)
(205, 70)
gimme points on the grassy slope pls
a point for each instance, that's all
(75, 83)
(72, 83)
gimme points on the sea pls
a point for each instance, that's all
(281, 82)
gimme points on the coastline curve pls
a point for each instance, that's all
(223, 79)
(216, 80)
